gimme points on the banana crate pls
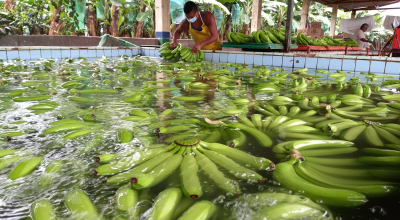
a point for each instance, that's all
(257, 46)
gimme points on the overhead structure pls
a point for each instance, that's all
(357, 5)
(352, 5)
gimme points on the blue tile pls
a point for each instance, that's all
(151, 53)
(83, 53)
(74, 53)
(248, 59)
(12, 54)
(64, 54)
(215, 57)
(25, 55)
(277, 61)
(99, 53)
(349, 65)
(231, 57)
(46, 54)
(258, 60)
(114, 53)
(362, 65)
(92, 53)
(223, 58)
(208, 57)
(156, 53)
(35, 54)
(3, 55)
(129, 53)
(107, 53)
(287, 61)
(299, 62)
(56, 54)
(135, 52)
(335, 64)
(267, 60)
(323, 63)
(377, 66)
(240, 58)
(122, 52)
(391, 68)
(311, 63)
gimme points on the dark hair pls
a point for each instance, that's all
(189, 7)
(364, 25)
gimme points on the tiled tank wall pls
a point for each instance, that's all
(382, 65)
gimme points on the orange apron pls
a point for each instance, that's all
(200, 36)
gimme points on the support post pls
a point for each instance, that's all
(333, 20)
(304, 13)
(162, 20)
(289, 18)
(353, 14)
(256, 15)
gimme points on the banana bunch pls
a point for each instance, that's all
(237, 37)
(348, 174)
(324, 41)
(180, 52)
(383, 160)
(261, 36)
(282, 126)
(168, 53)
(276, 204)
(313, 148)
(286, 174)
(151, 166)
(204, 129)
(375, 133)
(187, 55)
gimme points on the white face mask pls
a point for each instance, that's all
(192, 19)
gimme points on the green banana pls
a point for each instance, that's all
(145, 167)
(256, 162)
(25, 168)
(235, 169)
(368, 188)
(63, 128)
(130, 161)
(290, 211)
(202, 210)
(80, 206)
(262, 138)
(164, 206)
(126, 200)
(190, 181)
(77, 134)
(386, 160)
(43, 210)
(285, 174)
(157, 174)
(228, 185)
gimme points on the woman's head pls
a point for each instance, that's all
(364, 27)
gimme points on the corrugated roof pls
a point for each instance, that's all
(357, 4)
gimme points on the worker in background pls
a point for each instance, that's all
(202, 27)
(396, 42)
(359, 36)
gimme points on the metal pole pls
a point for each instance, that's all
(289, 18)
